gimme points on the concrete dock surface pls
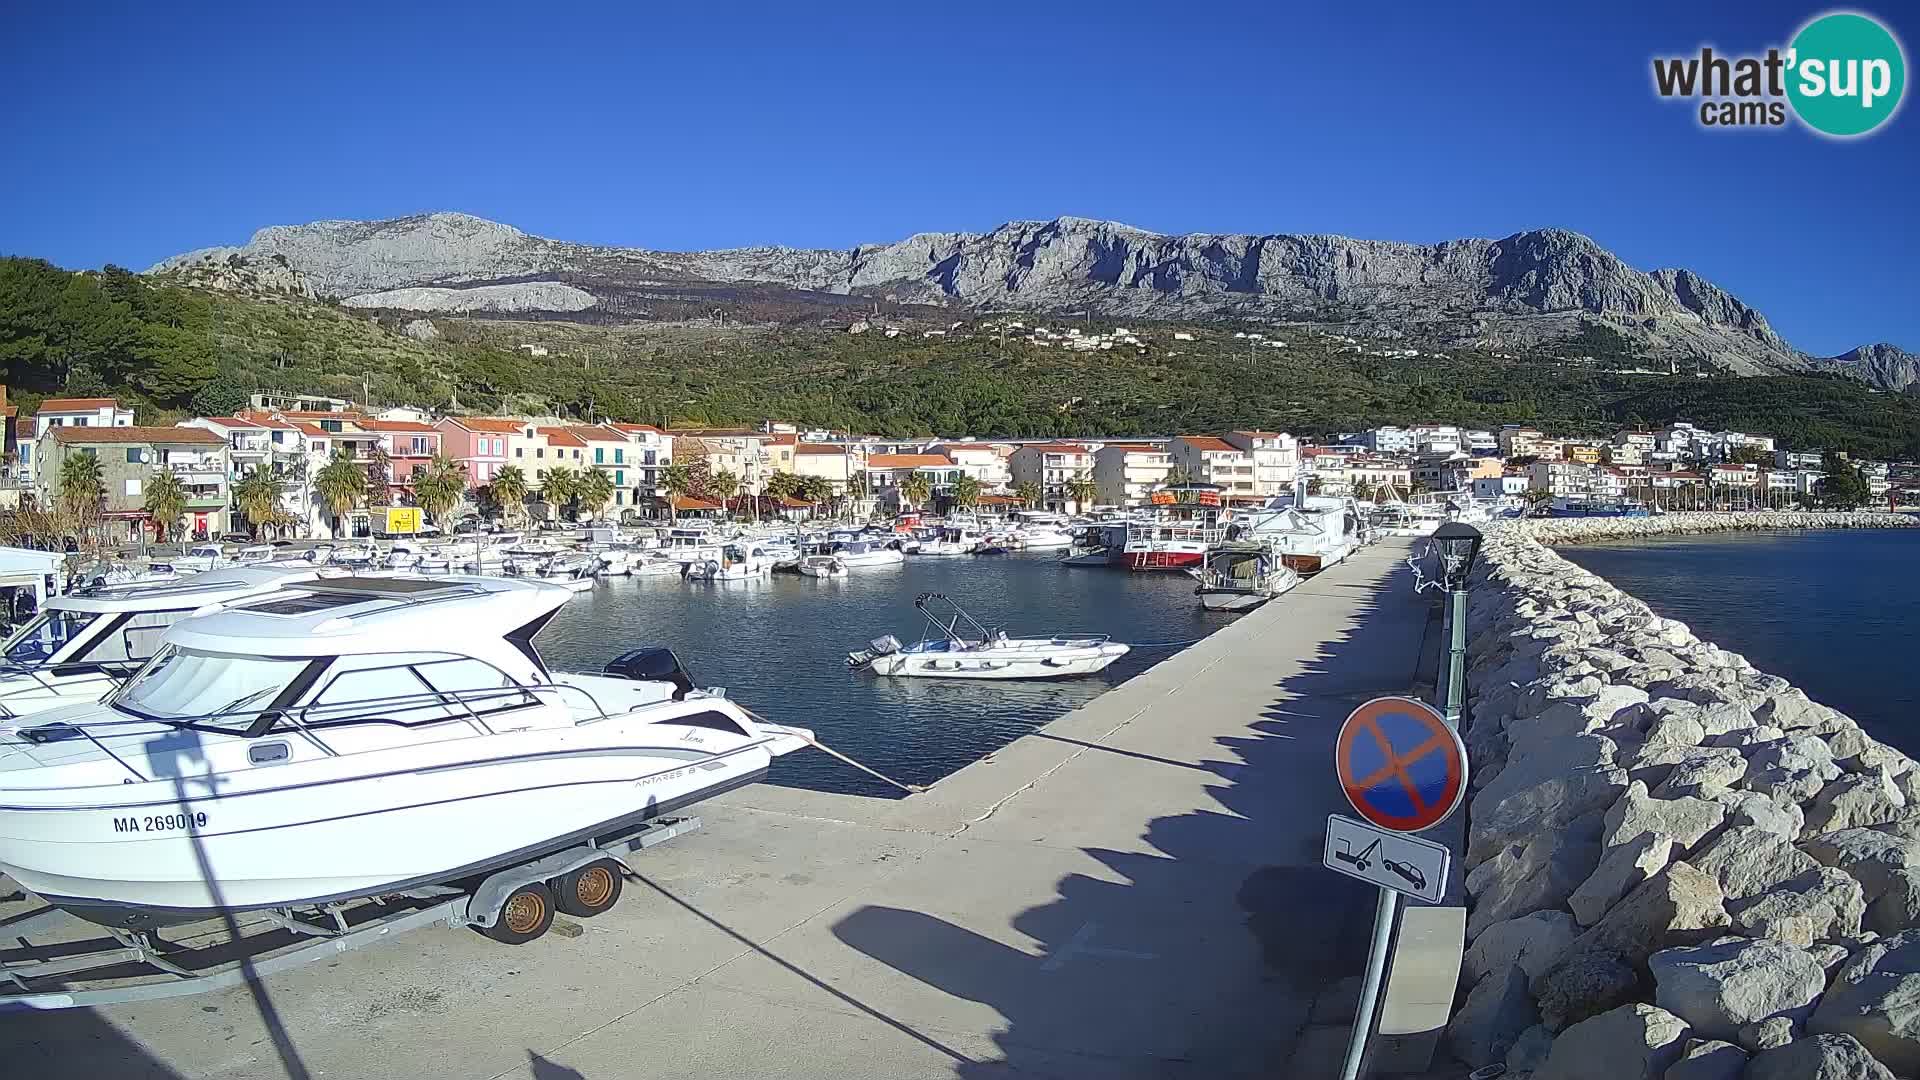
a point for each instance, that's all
(1135, 890)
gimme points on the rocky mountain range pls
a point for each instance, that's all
(1518, 291)
(1886, 366)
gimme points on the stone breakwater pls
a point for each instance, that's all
(1677, 865)
(1587, 530)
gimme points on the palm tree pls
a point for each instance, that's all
(559, 487)
(341, 483)
(916, 488)
(677, 479)
(966, 491)
(257, 495)
(1029, 493)
(1082, 490)
(439, 487)
(80, 485)
(1179, 476)
(510, 490)
(166, 502)
(725, 485)
(594, 490)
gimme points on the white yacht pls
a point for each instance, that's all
(735, 562)
(350, 738)
(1041, 530)
(855, 554)
(954, 540)
(961, 648)
(1239, 576)
(1311, 532)
(81, 645)
(822, 566)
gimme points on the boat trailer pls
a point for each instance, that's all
(280, 939)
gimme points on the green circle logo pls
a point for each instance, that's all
(1846, 74)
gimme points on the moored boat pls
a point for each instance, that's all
(962, 648)
(1240, 576)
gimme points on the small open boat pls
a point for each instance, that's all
(1240, 576)
(961, 648)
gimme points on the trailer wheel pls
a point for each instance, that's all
(526, 913)
(590, 890)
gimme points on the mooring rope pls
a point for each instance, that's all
(911, 789)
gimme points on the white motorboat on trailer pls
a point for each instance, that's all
(1239, 576)
(83, 644)
(354, 737)
(971, 651)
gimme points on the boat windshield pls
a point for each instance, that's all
(46, 635)
(190, 684)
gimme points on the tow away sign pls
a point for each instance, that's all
(1391, 860)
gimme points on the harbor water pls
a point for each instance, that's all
(779, 647)
(1833, 612)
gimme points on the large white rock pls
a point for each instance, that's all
(1822, 904)
(1822, 1057)
(1703, 772)
(1543, 791)
(1898, 908)
(1867, 855)
(1685, 821)
(1876, 999)
(1632, 1042)
(1709, 1059)
(1678, 906)
(1531, 942)
(1532, 873)
(1718, 988)
(1622, 868)
(1748, 860)
(1490, 1021)
(1855, 801)
(1752, 808)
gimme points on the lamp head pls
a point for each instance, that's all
(1458, 546)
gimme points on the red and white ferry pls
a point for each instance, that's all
(1185, 521)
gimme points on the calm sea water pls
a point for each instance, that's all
(1837, 613)
(779, 646)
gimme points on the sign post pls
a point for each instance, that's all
(1403, 769)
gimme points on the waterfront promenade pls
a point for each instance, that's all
(1133, 891)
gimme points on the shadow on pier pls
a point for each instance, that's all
(1294, 929)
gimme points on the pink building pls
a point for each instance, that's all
(478, 444)
(409, 445)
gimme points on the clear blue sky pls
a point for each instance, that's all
(132, 134)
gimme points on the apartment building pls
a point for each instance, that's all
(982, 461)
(410, 446)
(1518, 440)
(649, 450)
(1561, 478)
(1210, 460)
(128, 458)
(1276, 459)
(279, 447)
(1052, 466)
(478, 444)
(836, 463)
(1126, 473)
(886, 472)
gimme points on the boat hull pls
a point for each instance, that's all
(1151, 559)
(168, 850)
(999, 664)
(1233, 599)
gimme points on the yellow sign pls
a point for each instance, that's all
(400, 519)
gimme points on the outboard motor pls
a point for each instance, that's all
(653, 663)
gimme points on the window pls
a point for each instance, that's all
(519, 451)
(539, 451)
(619, 478)
(79, 421)
(226, 688)
(619, 455)
(130, 486)
(135, 455)
(138, 638)
(599, 455)
(47, 634)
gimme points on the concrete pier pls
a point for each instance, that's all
(1132, 891)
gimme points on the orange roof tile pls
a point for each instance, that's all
(596, 433)
(688, 502)
(632, 428)
(819, 448)
(908, 461)
(559, 436)
(1208, 442)
(78, 404)
(399, 425)
(1056, 447)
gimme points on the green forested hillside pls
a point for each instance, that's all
(175, 351)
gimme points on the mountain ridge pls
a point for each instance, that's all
(1522, 290)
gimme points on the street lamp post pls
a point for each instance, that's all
(1457, 545)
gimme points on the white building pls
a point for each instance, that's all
(1126, 473)
(1561, 477)
(1276, 459)
(1208, 460)
(1052, 466)
(1388, 440)
(1495, 487)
